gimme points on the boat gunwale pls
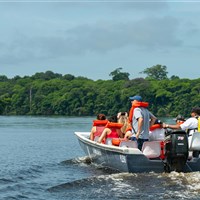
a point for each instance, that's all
(123, 150)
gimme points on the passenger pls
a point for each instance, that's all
(141, 119)
(123, 119)
(112, 129)
(98, 126)
(190, 125)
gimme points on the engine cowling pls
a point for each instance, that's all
(176, 151)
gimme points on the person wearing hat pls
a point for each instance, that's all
(190, 125)
(141, 119)
(179, 119)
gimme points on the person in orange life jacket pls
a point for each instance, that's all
(141, 119)
(98, 126)
(123, 119)
(111, 131)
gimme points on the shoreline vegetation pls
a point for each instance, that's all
(49, 93)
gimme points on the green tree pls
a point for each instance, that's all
(3, 78)
(68, 77)
(48, 75)
(54, 94)
(158, 72)
(118, 75)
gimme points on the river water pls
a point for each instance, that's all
(41, 159)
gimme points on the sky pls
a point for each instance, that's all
(93, 38)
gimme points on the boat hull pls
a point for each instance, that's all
(119, 158)
(125, 159)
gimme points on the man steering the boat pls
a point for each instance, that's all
(141, 119)
(190, 125)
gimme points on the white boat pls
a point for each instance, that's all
(174, 155)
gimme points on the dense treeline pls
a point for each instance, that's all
(55, 94)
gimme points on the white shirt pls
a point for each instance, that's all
(190, 123)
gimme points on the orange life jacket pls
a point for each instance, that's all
(113, 125)
(136, 105)
(100, 122)
(155, 126)
(180, 122)
(116, 141)
(129, 129)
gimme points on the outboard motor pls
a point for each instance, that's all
(176, 151)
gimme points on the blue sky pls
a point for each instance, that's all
(93, 38)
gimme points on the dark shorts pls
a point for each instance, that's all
(140, 143)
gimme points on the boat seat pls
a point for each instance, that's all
(128, 144)
(194, 142)
(151, 149)
(157, 134)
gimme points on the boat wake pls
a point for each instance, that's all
(127, 185)
(84, 159)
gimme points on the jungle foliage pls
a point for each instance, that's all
(55, 94)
